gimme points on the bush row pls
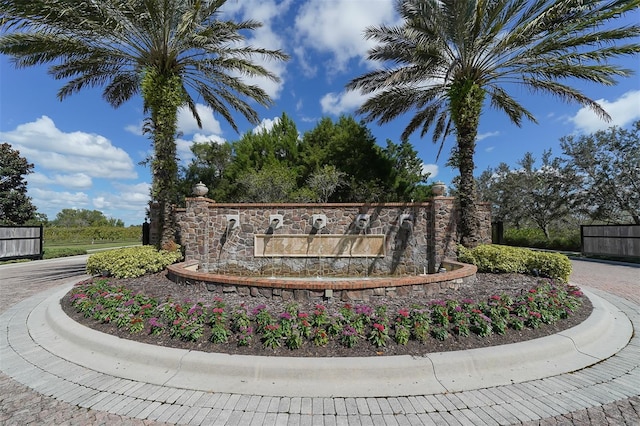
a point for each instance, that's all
(504, 259)
(59, 235)
(535, 238)
(131, 262)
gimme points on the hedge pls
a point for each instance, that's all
(131, 262)
(504, 259)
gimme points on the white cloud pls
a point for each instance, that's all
(265, 12)
(623, 111)
(337, 27)
(127, 202)
(432, 169)
(135, 129)
(183, 146)
(101, 203)
(51, 202)
(126, 197)
(77, 153)
(74, 181)
(482, 136)
(266, 124)
(308, 69)
(337, 104)
(188, 125)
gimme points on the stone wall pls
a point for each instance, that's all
(420, 247)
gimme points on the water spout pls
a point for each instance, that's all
(362, 221)
(276, 220)
(233, 221)
(406, 222)
(319, 221)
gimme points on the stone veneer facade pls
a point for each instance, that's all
(432, 238)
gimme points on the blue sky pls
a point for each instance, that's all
(86, 153)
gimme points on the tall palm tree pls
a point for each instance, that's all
(450, 56)
(165, 50)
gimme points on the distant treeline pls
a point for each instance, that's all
(89, 234)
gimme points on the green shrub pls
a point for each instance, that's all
(131, 262)
(504, 259)
(553, 265)
(566, 240)
(87, 234)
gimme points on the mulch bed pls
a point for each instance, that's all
(160, 287)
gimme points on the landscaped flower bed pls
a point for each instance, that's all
(220, 323)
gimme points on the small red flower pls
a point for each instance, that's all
(378, 327)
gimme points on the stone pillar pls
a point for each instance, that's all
(154, 224)
(444, 218)
(194, 231)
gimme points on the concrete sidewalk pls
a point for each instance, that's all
(593, 380)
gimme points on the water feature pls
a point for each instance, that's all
(354, 250)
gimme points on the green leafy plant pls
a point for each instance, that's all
(420, 321)
(294, 340)
(503, 259)
(271, 336)
(155, 326)
(131, 262)
(349, 336)
(440, 333)
(218, 321)
(379, 335)
(320, 336)
(245, 335)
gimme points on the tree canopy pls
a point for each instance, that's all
(595, 180)
(542, 196)
(333, 162)
(607, 168)
(15, 206)
(71, 218)
(448, 58)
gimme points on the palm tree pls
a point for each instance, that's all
(164, 50)
(450, 56)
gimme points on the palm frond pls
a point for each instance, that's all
(493, 43)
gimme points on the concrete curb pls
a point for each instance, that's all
(603, 334)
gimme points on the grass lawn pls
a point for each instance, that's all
(72, 249)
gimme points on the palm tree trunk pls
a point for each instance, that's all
(466, 104)
(163, 96)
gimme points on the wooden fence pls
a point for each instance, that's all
(21, 242)
(611, 240)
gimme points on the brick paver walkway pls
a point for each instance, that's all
(606, 393)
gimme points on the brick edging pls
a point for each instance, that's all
(308, 288)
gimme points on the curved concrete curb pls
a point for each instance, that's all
(603, 334)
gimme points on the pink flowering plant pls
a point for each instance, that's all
(219, 328)
(402, 327)
(379, 335)
(420, 324)
(271, 336)
(349, 336)
(348, 325)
